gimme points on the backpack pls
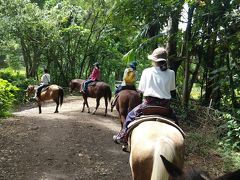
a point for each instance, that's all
(130, 77)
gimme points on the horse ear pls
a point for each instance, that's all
(173, 170)
(230, 176)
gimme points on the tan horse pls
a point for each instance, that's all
(96, 90)
(52, 92)
(148, 141)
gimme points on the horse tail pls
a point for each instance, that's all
(109, 94)
(61, 94)
(166, 149)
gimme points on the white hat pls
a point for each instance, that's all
(159, 54)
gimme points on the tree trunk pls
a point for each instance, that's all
(233, 96)
(186, 93)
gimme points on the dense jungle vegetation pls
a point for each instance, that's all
(67, 36)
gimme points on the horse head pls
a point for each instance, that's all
(30, 90)
(194, 173)
(75, 84)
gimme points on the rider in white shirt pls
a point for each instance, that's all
(157, 84)
(45, 81)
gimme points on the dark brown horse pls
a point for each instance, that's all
(53, 92)
(95, 90)
(126, 101)
(195, 174)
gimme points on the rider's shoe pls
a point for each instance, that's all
(116, 140)
(119, 140)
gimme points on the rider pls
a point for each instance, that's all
(45, 81)
(128, 83)
(157, 84)
(95, 76)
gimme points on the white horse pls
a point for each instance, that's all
(153, 137)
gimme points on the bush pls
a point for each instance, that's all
(18, 80)
(7, 98)
(231, 127)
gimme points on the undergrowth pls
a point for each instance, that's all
(206, 139)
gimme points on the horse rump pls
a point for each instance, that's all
(149, 140)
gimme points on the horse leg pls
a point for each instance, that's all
(39, 107)
(83, 105)
(56, 100)
(87, 106)
(97, 105)
(56, 111)
(85, 102)
(106, 105)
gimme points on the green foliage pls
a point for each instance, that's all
(230, 131)
(18, 80)
(7, 98)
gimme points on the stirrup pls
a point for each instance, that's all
(125, 148)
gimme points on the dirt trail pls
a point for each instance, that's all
(70, 145)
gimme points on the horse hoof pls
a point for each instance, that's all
(56, 112)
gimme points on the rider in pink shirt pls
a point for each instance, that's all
(95, 76)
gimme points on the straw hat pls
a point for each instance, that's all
(159, 54)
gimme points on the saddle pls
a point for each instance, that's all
(158, 118)
(92, 83)
(45, 88)
(156, 110)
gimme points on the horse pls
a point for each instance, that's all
(53, 92)
(195, 173)
(126, 101)
(154, 136)
(96, 90)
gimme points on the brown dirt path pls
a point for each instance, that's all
(70, 145)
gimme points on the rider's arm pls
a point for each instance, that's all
(173, 94)
(142, 82)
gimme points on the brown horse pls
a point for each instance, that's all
(126, 101)
(153, 137)
(194, 173)
(53, 92)
(95, 90)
